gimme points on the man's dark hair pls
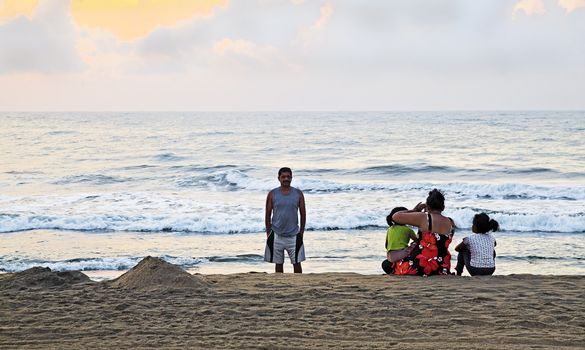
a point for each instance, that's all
(284, 170)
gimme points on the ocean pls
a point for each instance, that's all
(97, 192)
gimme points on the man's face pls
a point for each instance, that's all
(285, 179)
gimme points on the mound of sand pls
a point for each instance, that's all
(152, 273)
(43, 277)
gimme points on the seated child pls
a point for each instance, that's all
(397, 239)
(477, 252)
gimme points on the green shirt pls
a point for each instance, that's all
(398, 236)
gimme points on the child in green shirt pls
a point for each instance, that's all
(397, 239)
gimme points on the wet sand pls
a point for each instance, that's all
(161, 306)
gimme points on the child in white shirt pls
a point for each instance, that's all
(477, 252)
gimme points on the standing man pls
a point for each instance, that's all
(282, 223)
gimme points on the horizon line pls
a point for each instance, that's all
(292, 111)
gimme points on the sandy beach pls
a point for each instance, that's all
(158, 305)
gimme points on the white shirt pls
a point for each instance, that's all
(481, 246)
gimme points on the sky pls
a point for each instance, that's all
(291, 55)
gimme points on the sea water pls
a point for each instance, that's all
(99, 191)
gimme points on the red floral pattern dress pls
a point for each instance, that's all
(430, 257)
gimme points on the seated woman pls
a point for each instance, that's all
(431, 256)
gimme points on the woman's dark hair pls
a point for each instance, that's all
(394, 211)
(436, 200)
(483, 223)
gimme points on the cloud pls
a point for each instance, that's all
(13, 8)
(130, 20)
(249, 54)
(571, 5)
(46, 43)
(251, 38)
(326, 12)
(306, 34)
(240, 47)
(379, 54)
(530, 7)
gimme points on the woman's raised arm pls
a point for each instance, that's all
(412, 217)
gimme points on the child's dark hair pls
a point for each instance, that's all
(394, 211)
(483, 223)
(436, 200)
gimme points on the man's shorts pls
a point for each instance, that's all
(277, 244)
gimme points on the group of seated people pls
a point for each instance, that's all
(428, 254)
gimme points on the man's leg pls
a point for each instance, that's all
(298, 253)
(275, 252)
(297, 268)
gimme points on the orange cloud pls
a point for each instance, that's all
(571, 5)
(530, 7)
(133, 19)
(13, 8)
(305, 34)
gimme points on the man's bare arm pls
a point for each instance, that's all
(303, 212)
(268, 214)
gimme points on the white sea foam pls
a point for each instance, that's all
(242, 211)
(242, 222)
(90, 264)
(236, 179)
(525, 222)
